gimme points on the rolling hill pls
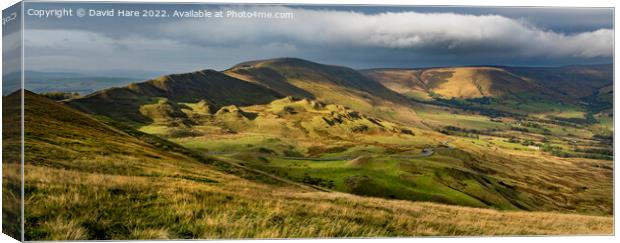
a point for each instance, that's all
(575, 81)
(327, 83)
(561, 83)
(286, 117)
(570, 93)
(219, 90)
(94, 179)
(303, 72)
(404, 81)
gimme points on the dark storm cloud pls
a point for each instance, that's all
(361, 37)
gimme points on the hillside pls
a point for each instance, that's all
(307, 72)
(219, 90)
(327, 83)
(561, 83)
(564, 94)
(570, 81)
(286, 117)
(403, 81)
(11, 160)
(459, 82)
(98, 180)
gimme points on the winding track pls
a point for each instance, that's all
(425, 153)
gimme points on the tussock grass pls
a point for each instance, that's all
(61, 229)
(96, 206)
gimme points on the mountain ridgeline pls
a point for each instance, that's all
(249, 83)
(392, 94)
(217, 89)
(301, 73)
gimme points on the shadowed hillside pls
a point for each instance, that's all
(332, 84)
(299, 70)
(570, 81)
(219, 90)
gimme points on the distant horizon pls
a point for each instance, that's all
(102, 79)
(92, 73)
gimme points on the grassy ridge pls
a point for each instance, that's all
(327, 83)
(124, 103)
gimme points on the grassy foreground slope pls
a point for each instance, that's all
(86, 179)
(11, 171)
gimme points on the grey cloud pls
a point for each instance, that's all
(11, 51)
(356, 39)
(461, 33)
(88, 51)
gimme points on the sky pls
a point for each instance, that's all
(355, 36)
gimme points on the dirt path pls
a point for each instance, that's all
(425, 153)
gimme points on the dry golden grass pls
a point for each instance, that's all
(65, 230)
(572, 184)
(358, 161)
(462, 82)
(402, 81)
(67, 204)
(465, 83)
